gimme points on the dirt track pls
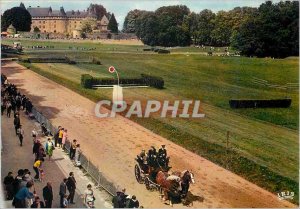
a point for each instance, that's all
(112, 143)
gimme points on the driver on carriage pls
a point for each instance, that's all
(163, 159)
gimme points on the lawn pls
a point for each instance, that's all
(263, 143)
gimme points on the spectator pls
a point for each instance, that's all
(116, 200)
(17, 181)
(20, 198)
(63, 192)
(56, 136)
(123, 197)
(20, 134)
(64, 138)
(49, 148)
(36, 167)
(37, 203)
(60, 136)
(71, 185)
(89, 196)
(65, 201)
(34, 135)
(132, 202)
(48, 195)
(8, 182)
(73, 148)
(35, 149)
(77, 155)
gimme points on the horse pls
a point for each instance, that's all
(169, 185)
(187, 177)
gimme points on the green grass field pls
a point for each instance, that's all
(264, 146)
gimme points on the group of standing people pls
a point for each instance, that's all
(122, 200)
(21, 190)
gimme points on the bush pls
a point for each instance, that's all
(163, 51)
(87, 81)
(71, 62)
(147, 50)
(272, 103)
(96, 61)
(153, 81)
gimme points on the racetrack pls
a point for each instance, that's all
(112, 144)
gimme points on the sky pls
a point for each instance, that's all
(121, 7)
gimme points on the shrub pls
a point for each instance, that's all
(163, 51)
(71, 62)
(153, 81)
(272, 103)
(147, 50)
(87, 81)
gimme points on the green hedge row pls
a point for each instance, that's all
(87, 81)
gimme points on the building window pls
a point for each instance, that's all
(44, 22)
(43, 26)
(55, 26)
(44, 31)
(54, 31)
(40, 21)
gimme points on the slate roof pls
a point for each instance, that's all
(48, 12)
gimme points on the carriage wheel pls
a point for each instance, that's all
(138, 176)
(147, 184)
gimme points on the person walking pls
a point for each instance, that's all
(8, 107)
(20, 134)
(34, 135)
(49, 148)
(17, 123)
(36, 167)
(8, 182)
(62, 191)
(65, 201)
(48, 195)
(71, 185)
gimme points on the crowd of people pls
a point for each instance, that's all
(21, 187)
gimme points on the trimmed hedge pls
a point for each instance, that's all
(163, 51)
(88, 81)
(272, 103)
(153, 81)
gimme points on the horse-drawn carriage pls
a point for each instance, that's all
(173, 186)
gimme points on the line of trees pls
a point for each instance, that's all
(270, 30)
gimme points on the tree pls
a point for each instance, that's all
(129, 25)
(36, 29)
(98, 10)
(88, 25)
(271, 31)
(112, 24)
(18, 17)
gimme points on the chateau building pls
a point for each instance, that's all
(59, 21)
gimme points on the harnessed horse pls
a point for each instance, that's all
(175, 185)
